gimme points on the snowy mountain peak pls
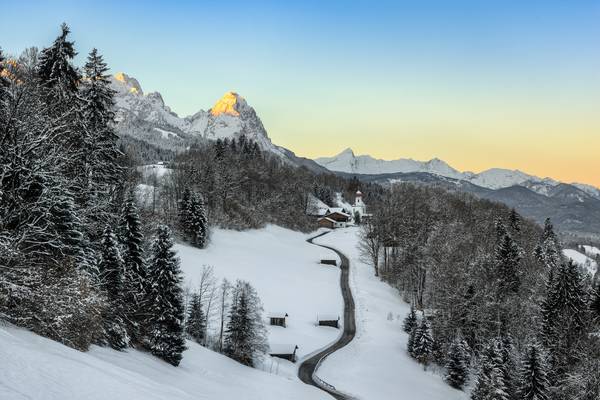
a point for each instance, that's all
(229, 104)
(128, 84)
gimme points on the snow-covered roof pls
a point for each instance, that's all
(277, 314)
(279, 348)
(326, 218)
(338, 210)
(328, 317)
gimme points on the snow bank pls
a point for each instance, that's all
(287, 274)
(37, 368)
(375, 364)
(591, 250)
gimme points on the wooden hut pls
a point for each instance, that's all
(285, 351)
(329, 320)
(278, 319)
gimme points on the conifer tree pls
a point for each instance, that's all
(111, 270)
(533, 382)
(410, 344)
(135, 276)
(245, 335)
(490, 383)
(55, 68)
(164, 323)
(422, 348)
(198, 224)
(514, 222)
(196, 320)
(101, 169)
(563, 318)
(548, 251)
(410, 322)
(457, 366)
(508, 258)
(183, 211)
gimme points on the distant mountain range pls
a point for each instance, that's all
(494, 178)
(574, 208)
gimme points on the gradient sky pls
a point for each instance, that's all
(479, 84)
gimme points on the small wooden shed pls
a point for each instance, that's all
(285, 351)
(328, 261)
(278, 319)
(326, 223)
(329, 320)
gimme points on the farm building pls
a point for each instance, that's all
(330, 223)
(334, 218)
(278, 319)
(285, 351)
(329, 320)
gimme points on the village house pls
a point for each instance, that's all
(278, 319)
(285, 351)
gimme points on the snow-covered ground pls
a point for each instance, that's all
(287, 275)
(591, 250)
(375, 364)
(33, 367)
(586, 262)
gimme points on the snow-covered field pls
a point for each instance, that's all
(35, 368)
(375, 364)
(286, 273)
(586, 262)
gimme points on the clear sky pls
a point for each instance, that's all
(479, 84)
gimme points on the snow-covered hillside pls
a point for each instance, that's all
(494, 178)
(375, 365)
(286, 273)
(37, 368)
(581, 259)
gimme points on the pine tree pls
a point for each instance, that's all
(111, 272)
(184, 207)
(490, 383)
(410, 322)
(196, 320)
(135, 276)
(548, 251)
(164, 323)
(508, 259)
(100, 163)
(198, 224)
(423, 342)
(457, 366)
(533, 381)
(514, 222)
(563, 317)
(55, 68)
(410, 344)
(245, 335)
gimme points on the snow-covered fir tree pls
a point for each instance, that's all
(111, 274)
(196, 320)
(490, 384)
(533, 381)
(457, 364)
(564, 319)
(422, 347)
(99, 160)
(135, 278)
(548, 250)
(193, 219)
(164, 323)
(245, 335)
(410, 322)
(508, 258)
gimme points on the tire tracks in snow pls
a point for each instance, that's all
(308, 368)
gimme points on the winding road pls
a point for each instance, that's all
(306, 371)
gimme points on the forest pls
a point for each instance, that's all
(492, 295)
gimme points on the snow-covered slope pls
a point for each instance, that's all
(581, 259)
(375, 365)
(146, 117)
(33, 367)
(494, 178)
(286, 273)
